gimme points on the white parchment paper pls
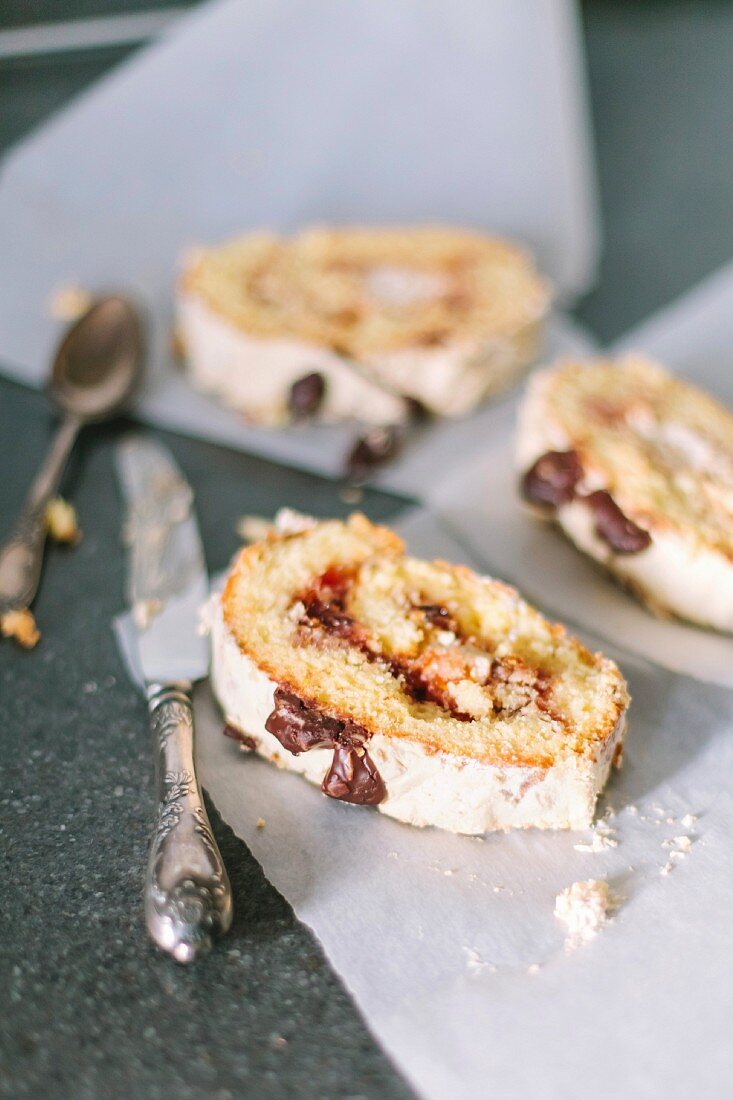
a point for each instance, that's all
(693, 334)
(449, 944)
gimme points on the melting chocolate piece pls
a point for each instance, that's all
(306, 395)
(325, 603)
(353, 777)
(553, 478)
(373, 449)
(236, 734)
(299, 727)
(424, 691)
(412, 681)
(331, 616)
(437, 615)
(417, 411)
(621, 533)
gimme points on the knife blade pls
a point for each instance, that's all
(187, 891)
(167, 580)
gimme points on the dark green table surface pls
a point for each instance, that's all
(89, 1009)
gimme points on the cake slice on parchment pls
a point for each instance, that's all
(340, 323)
(636, 467)
(420, 687)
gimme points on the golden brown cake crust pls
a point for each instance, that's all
(424, 651)
(660, 446)
(324, 286)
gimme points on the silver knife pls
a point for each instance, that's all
(188, 898)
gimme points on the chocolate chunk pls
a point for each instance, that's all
(436, 615)
(325, 604)
(353, 777)
(331, 617)
(306, 395)
(373, 449)
(299, 727)
(417, 411)
(236, 734)
(412, 682)
(553, 478)
(621, 533)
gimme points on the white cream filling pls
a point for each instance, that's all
(455, 793)
(450, 379)
(694, 583)
(403, 286)
(254, 375)
(675, 574)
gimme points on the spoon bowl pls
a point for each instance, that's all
(98, 365)
(95, 373)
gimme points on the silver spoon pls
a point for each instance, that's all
(94, 375)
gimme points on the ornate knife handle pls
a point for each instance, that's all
(188, 898)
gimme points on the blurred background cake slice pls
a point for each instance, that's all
(636, 466)
(339, 323)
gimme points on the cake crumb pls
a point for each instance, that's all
(533, 968)
(61, 522)
(144, 611)
(603, 837)
(679, 848)
(475, 964)
(688, 821)
(254, 528)
(584, 908)
(20, 624)
(68, 303)
(286, 522)
(260, 822)
(351, 494)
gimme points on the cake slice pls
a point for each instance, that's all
(420, 687)
(636, 466)
(348, 323)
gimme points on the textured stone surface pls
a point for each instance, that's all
(89, 1009)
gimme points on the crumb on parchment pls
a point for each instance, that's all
(68, 303)
(61, 521)
(260, 822)
(20, 624)
(584, 908)
(144, 611)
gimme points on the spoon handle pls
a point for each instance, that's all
(21, 556)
